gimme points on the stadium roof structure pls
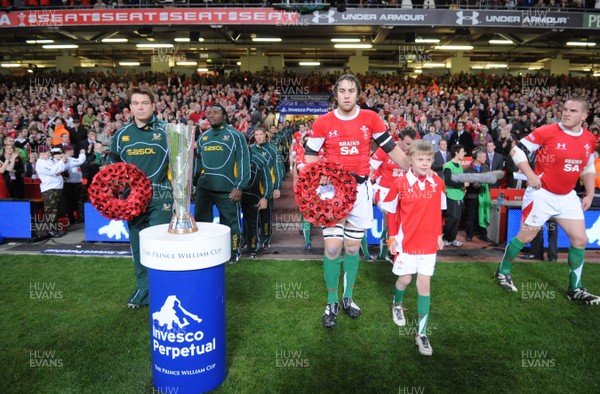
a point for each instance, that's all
(400, 39)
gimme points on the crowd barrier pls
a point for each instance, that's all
(22, 219)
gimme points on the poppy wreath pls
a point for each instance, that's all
(109, 186)
(325, 212)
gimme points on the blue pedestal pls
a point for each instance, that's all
(186, 275)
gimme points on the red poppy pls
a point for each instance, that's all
(110, 183)
(326, 212)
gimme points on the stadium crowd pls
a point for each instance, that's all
(75, 114)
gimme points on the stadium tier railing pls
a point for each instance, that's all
(303, 6)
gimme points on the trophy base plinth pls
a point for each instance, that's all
(182, 224)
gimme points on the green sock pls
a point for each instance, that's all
(331, 270)
(423, 309)
(306, 226)
(575, 259)
(364, 247)
(383, 246)
(398, 295)
(350, 273)
(512, 250)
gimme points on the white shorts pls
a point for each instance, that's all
(381, 193)
(361, 215)
(539, 205)
(408, 264)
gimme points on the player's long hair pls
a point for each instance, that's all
(346, 77)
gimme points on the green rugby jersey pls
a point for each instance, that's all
(276, 164)
(261, 183)
(223, 160)
(283, 140)
(147, 149)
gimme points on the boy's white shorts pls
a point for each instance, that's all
(408, 264)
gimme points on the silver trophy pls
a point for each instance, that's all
(181, 160)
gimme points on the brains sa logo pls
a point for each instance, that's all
(470, 16)
(318, 16)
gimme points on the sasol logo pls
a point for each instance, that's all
(470, 16)
(318, 16)
(174, 331)
(141, 151)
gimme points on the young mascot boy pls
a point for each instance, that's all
(416, 233)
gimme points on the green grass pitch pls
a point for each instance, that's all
(76, 335)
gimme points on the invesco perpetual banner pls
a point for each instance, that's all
(531, 18)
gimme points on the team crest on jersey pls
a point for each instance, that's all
(587, 149)
(365, 130)
(156, 137)
(562, 146)
(204, 138)
(333, 133)
(125, 138)
(225, 138)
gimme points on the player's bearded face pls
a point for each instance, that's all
(347, 96)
